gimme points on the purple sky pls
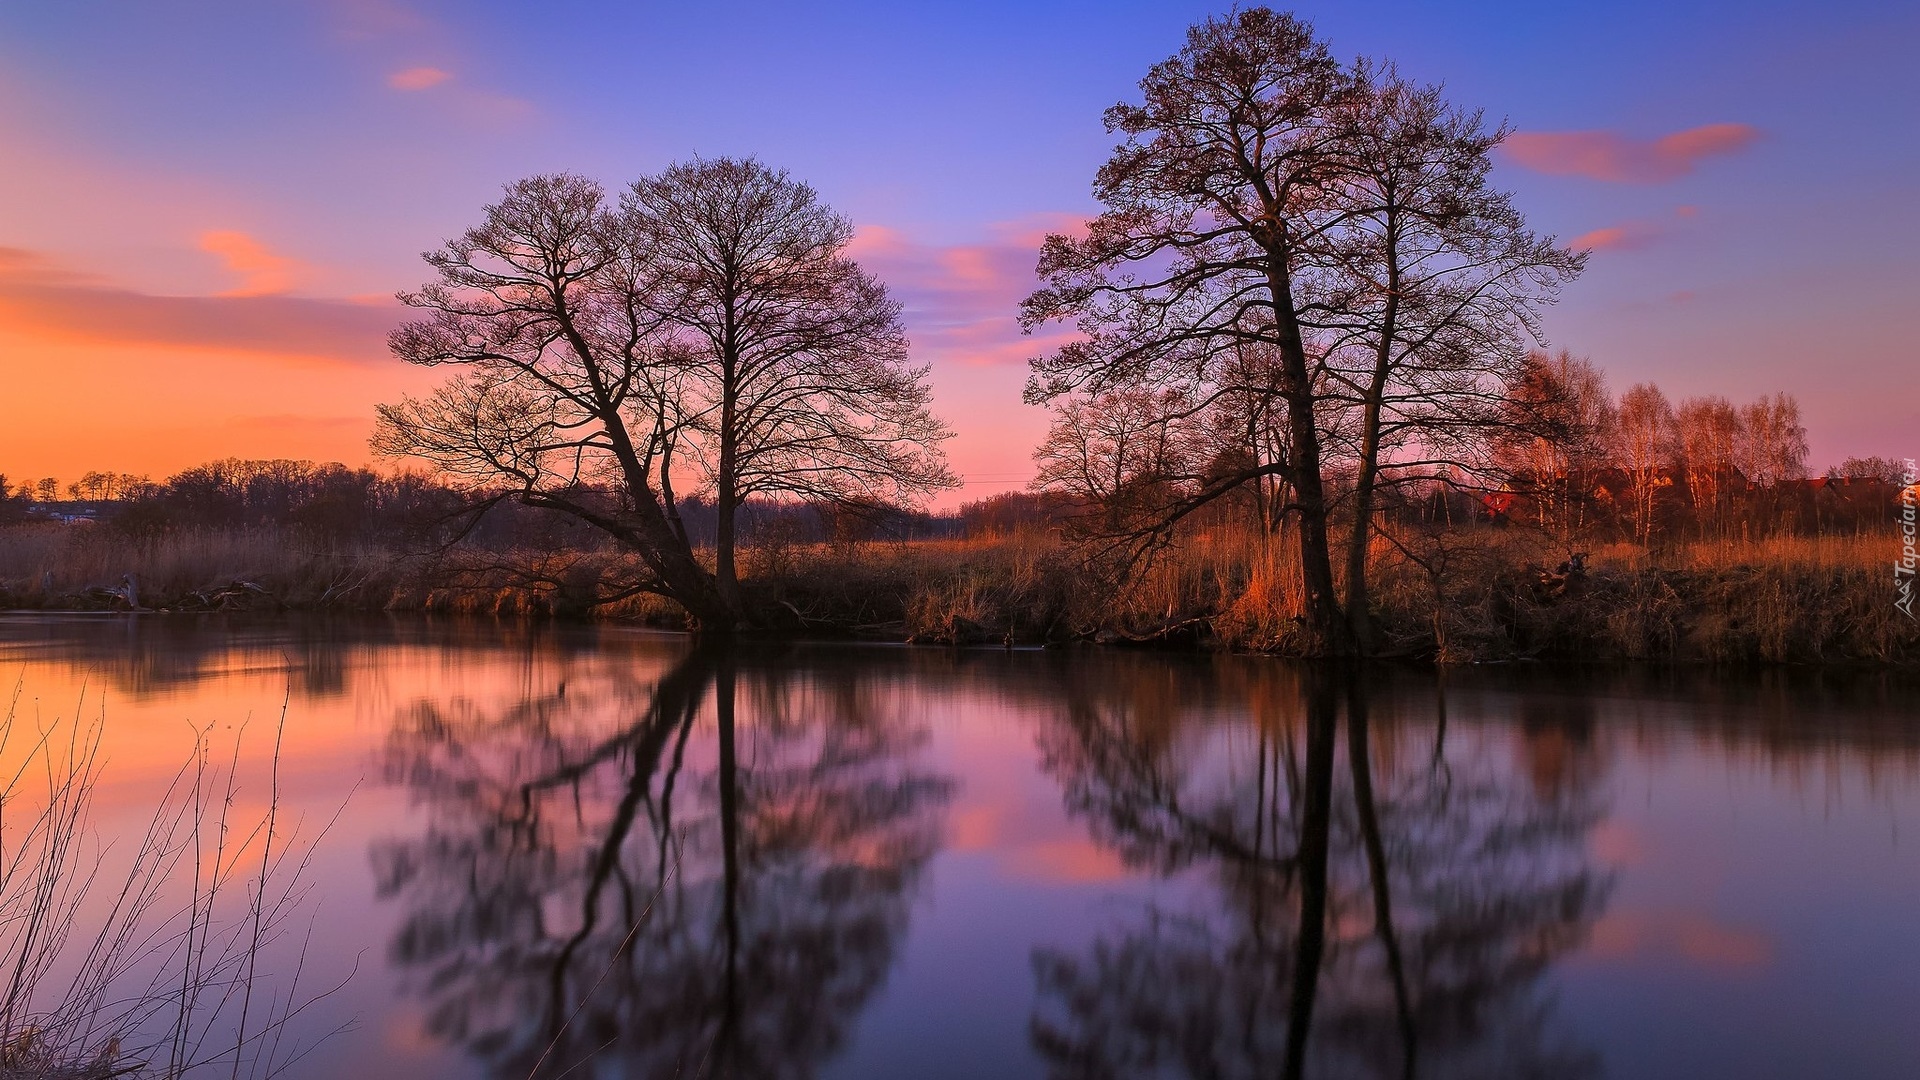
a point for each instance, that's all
(206, 206)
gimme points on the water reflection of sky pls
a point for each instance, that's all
(933, 863)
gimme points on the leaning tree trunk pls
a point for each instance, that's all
(1324, 631)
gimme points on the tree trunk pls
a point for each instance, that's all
(1359, 622)
(726, 574)
(1324, 630)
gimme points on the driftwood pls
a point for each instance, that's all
(127, 595)
(1174, 633)
(1553, 584)
(234, 596)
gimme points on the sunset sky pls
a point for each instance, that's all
(206, 207)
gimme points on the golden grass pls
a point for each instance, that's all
(1472, 595)
(1848, 551)
(44, 566)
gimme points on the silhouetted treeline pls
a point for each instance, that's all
(334, 504)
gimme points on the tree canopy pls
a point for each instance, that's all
(705, 331)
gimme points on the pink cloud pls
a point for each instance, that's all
(1607, 155)
(961, 301)
(36, 293)
(419, 78)
(1626, 237)
(1632, 235)
(262, 272)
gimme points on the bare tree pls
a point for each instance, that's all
(1646, 444)
(566, 380)
(1709, 436)
(1311, 249)
(1105, 448)
(798, 382)
(1440, 283)
(1772, 442)
(1772, 448)
(709, 325)
(13, 504)
(1882, 469)
(1557, 427)
(1222, 181)
(107, 487)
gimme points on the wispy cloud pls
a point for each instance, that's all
(262, 272)
(1635, 234)
(961, 300)
(37, 293)
(362, 20)
(1617, 158)
(1629, 236)
(418, 78)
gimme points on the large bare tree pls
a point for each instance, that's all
(708, 329)
(1438, 287)
(798, 380)
(1221, 186)
(1311, 249)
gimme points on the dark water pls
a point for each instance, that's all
(596, 846)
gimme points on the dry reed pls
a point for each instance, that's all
(1462, 595)
(144, 967)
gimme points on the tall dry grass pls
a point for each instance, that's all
(1779, 600)
(1460, 595)
(61, 565)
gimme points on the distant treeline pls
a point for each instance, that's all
(1590, 480)
(1561, 456)
(331, 504)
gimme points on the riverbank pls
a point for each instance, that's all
(1486, 596)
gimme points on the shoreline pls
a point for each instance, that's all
(1210, 647)
(1818, 601)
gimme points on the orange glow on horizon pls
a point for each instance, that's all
(153, 409)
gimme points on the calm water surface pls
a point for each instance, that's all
(882, 862)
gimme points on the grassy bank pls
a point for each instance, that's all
(1481, 595)
(1820, 600)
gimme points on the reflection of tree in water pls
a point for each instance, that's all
(1382, 905)
(762, 868)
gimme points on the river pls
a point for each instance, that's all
(593, 848)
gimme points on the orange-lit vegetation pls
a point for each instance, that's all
(1485, 591)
